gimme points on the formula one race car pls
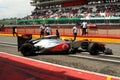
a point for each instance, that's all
(53, 44)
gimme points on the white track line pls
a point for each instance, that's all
(98, 59)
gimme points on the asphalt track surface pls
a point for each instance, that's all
(89, 65)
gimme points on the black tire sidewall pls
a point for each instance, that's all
(27, 49)
(93, 48)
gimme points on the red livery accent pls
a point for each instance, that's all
(60, 47)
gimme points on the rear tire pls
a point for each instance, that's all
(93, 48)
(27, 49)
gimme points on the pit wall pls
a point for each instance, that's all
(107, 30)
(18, 68)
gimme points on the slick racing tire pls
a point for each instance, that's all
(27, 49)
(93, 48)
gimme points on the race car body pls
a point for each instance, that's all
(53, 44)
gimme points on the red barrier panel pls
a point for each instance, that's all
(18, 68)
(108, 31)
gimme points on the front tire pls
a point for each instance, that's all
(27, 49)
(93, 48)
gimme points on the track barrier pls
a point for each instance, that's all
(19, 68)
(98, 33)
